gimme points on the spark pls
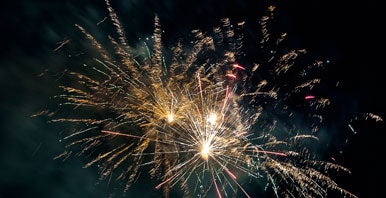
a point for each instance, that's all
(352, 128)
(103, 20)
(237, 66)
(309, 97)
(232, 76)
(61, 44)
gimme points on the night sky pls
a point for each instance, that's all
(348, 34)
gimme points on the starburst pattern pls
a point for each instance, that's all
(200, 119)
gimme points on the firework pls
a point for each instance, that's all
(201, 120)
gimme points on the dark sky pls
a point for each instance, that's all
(349, 34)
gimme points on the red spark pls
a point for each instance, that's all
(233, 76)
(309, 97)
(237, 66)
(159, 185)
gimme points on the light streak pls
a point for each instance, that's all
(309, 97)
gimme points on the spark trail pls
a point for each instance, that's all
(201, 121)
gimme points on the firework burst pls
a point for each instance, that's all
(201, 120)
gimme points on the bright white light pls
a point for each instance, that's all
(170, 117)
(205, 150)
(212, 118)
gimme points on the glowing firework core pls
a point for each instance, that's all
(205, 150)
(212, 118)
(170, 118)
